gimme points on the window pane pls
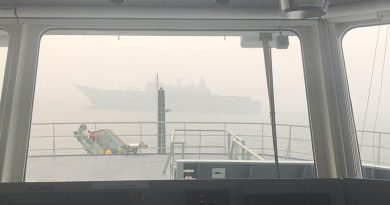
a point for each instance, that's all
(294, 139)
(96, 105)
(366, 56)
(3, 55)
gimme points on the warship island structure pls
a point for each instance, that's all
(179, 98)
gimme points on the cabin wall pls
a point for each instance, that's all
(332, 126)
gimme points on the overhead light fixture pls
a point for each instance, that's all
(276, 39)
(222, 2)
(303, 9)
(118, 2)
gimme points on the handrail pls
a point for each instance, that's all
(204, 130)
(248, 150)
(189, 122)
(171, 122)
(171, 152)
(56, 139)
(170, 162)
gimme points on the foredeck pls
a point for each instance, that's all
(96, 168)
(55, 154)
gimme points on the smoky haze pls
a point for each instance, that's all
(130, 62)
(359, 53)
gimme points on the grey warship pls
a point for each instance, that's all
(179, 98)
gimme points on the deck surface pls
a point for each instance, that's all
(92, 168)
(101, 168)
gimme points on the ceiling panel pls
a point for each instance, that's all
(160, 3)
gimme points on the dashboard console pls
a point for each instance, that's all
(199, 192)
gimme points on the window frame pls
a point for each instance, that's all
(16, 170)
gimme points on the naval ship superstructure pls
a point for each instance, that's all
(180, 98)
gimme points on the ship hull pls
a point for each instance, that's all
(175, 101)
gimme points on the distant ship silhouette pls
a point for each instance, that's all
(179, 98)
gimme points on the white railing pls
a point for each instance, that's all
(56, 139)
(233, 147)
(240, 151)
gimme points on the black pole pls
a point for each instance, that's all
(161, 122)
(266, 38)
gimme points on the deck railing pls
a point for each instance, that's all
(56, 139)
(234, 147)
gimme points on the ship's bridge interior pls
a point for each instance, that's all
(70, 131)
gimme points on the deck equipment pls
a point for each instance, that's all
(105, 142)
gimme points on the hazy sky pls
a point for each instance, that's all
(359, 50)
(132, 61)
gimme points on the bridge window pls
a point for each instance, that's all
(111, 107)
(367, 52)
(3, 55)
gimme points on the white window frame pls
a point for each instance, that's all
(331, 119)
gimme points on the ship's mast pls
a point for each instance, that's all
(161, 133)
